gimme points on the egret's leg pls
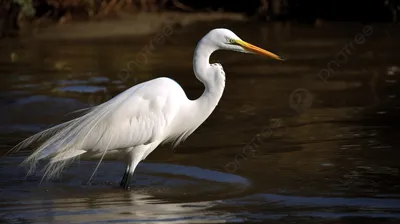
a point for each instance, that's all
(137, 155)
(124, 178)
(131, 169)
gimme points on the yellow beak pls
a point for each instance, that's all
(258, 50)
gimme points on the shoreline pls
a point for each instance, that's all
(140, 24)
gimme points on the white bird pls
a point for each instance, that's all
(133, 123)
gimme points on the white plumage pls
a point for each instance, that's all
(135, 122)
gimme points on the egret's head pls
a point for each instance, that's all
(227, 40)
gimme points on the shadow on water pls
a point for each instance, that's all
(309, 140)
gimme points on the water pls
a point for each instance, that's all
(289, 142)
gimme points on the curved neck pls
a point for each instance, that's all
(201, 61)
(213, 78)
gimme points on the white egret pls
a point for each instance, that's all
(133, 123)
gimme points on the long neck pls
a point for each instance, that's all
(213, 80)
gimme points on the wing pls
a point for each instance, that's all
(138, 116)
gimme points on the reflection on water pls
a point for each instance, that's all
(70, 199)
(111, 207)
(285, 143)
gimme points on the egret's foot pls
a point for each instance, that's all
(126, 181)
(122, 183)
(125, 186)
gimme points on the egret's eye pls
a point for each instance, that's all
(232, 41)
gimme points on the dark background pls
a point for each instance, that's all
(304, 11)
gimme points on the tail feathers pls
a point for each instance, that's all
(59, 159)
(58, 162)
(53, 169)
(67, 155)
(66, 141)
(59, 145)
(37, 137)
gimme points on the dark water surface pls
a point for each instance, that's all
(309, 140)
